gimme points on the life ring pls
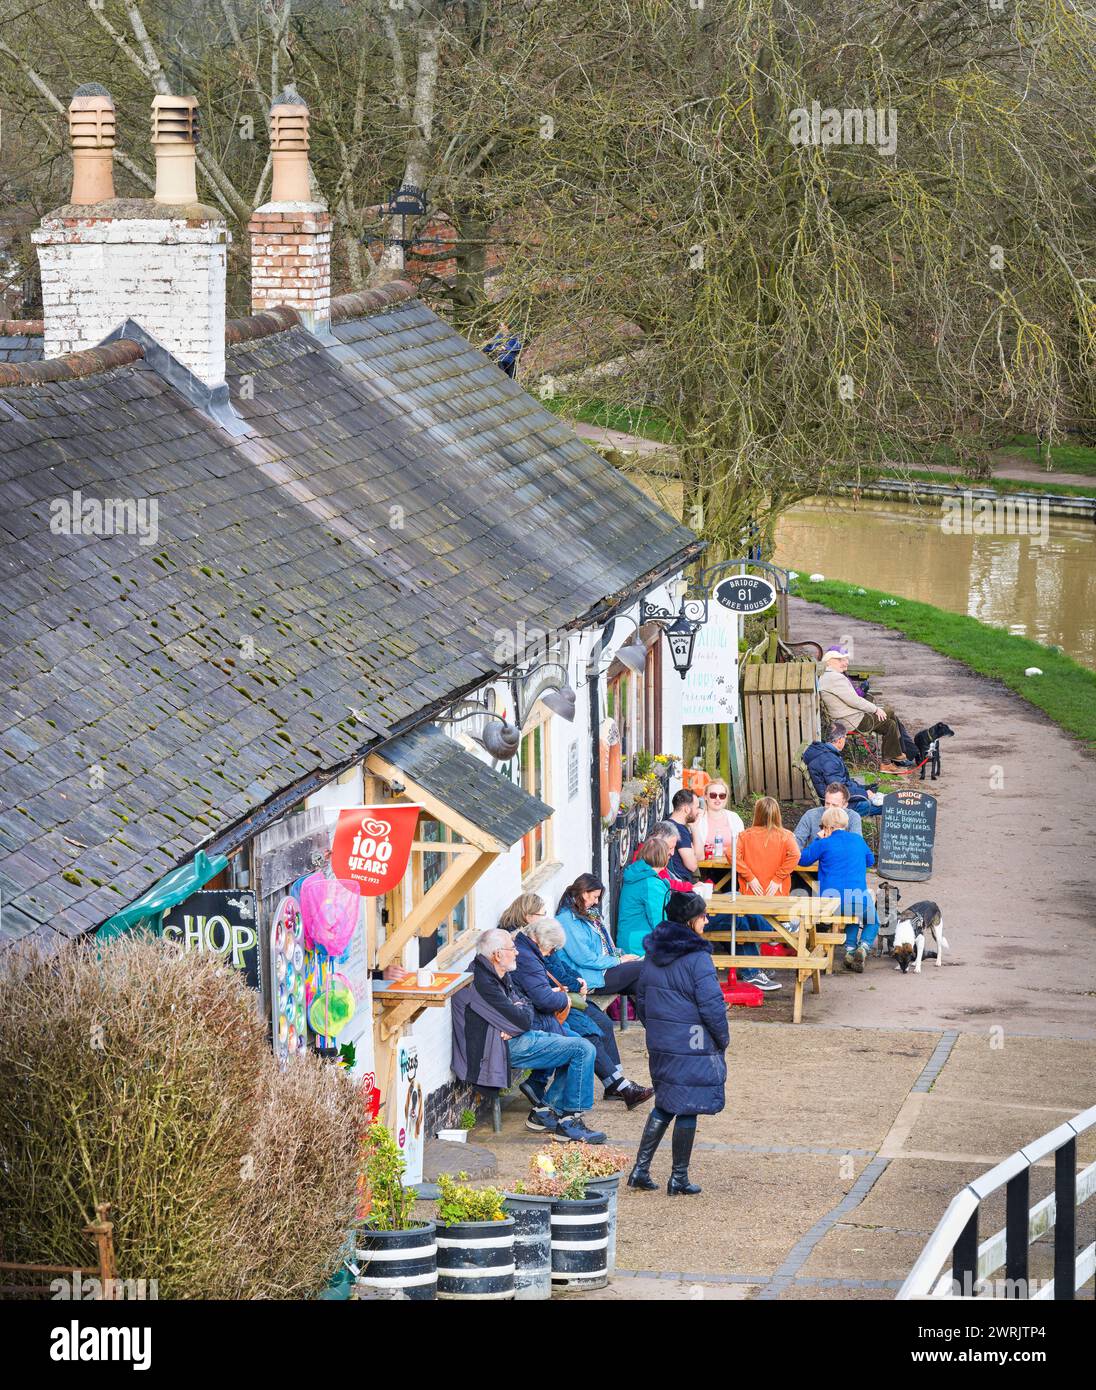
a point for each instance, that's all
(612, 777)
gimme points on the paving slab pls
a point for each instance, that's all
(984, 1128)
(1059, 1073)
(853, 1252)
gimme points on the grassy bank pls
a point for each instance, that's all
(1066, 691)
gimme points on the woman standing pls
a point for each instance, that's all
(643, 895)
(843, 860)
(767, 854)
(683, 1011)
(589, 949)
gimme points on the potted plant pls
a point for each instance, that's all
(396, 1255)
(603, 1167)
(475, 1241)
(459, 1134)
(579, 1217)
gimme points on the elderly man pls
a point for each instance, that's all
(810, 822)
(845, 705)
(498, 1012)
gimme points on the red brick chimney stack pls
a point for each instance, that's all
(291, 235)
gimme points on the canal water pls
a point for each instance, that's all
(1043, 591)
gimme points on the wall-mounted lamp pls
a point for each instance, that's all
(680, 627)
(502, 741)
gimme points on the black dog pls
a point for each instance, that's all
(928, 747)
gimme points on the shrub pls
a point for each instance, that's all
(385, 1203)
(139, 1075)
(461, 1202)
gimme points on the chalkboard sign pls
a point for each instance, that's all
(907, 834)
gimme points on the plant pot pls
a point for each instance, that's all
(580, 1243)
(607, 1187)
(398, 1264)
(453, 1136)
(532, 1244)
(476, 1260)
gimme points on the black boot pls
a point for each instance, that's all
(649, 1140)
(679, 1184)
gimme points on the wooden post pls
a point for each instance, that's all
(103, 1231)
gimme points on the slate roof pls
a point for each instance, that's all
(335, 578)
(482, 795)
(20, 347)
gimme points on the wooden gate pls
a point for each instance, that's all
(780, 712)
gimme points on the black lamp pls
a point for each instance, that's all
(681, 636)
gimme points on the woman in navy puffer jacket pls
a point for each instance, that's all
(682, 1008)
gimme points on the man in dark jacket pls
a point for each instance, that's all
(499, 1008)
(825, 764)
(683, 1010)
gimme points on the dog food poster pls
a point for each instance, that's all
(907, 835)
(407, 1123)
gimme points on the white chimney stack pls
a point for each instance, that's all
(291, 235)
(160, 262)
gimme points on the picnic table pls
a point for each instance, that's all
(812, 927)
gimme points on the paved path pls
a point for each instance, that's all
(845, 1138)
(1018, 472)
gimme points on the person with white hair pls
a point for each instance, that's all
(845, 705)
(496, 1028)
(549, 987)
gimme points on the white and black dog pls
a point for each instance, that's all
(909, 935)
(928, 747)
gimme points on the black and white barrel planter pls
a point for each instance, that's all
(532, 1244)
(580, 1243)
(476, 1260)
(607, 1187)
(398, 1264)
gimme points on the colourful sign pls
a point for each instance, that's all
(372, 846)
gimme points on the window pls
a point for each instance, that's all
(427, 870)
(536, 845)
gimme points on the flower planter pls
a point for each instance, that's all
(532, 1244)
(476, 1260)
(580, 1243)
(398, 1264)
(607, 1187)
(453, 1136)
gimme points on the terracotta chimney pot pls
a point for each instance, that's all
(289, 149)
(175, 140)
(91, 135)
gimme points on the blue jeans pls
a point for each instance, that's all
(722, 922)
(857, 902)
(863, 807)
(572, 1060)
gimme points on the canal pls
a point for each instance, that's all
(1041, 586)
(1045, 590)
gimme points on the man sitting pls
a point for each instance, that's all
(845, 705)
(825, 764)
(810, 823)
(498, 1003)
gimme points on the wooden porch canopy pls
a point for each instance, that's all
(484, 812)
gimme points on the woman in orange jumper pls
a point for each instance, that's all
(767, 854)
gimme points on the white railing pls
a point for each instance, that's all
(973, 1264)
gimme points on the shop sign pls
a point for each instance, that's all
(221, 922)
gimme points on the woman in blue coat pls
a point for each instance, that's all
(643, 896)
(683, 1010)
